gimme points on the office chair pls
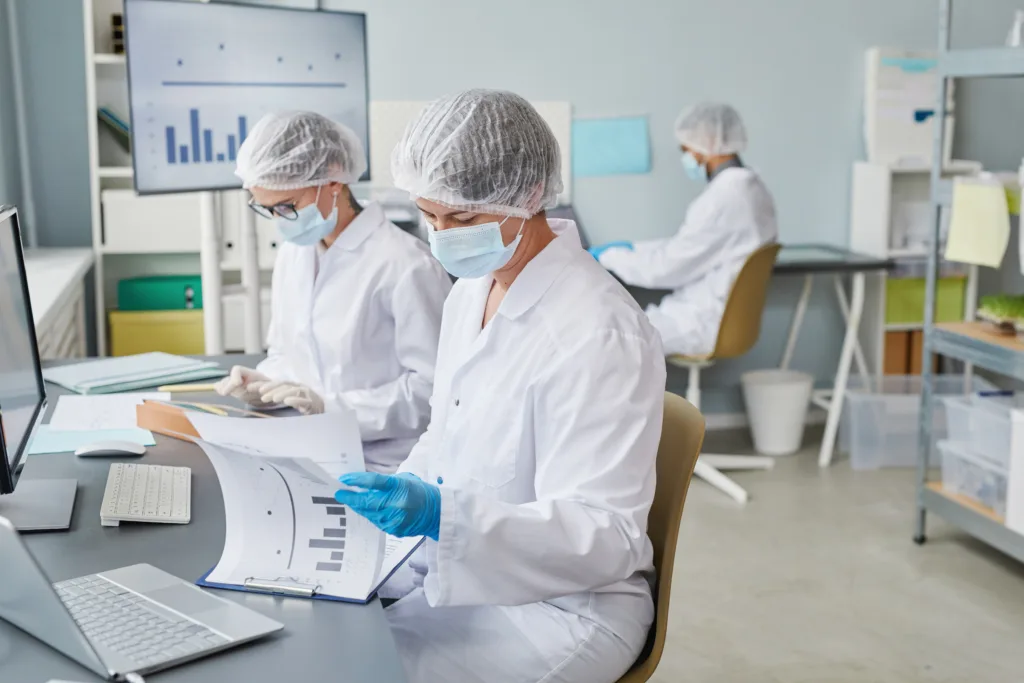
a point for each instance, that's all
(681, 436)
(738, 331)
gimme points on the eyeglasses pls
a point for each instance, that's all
(286, 210)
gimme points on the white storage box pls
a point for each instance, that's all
(982, 423)
(882, 426)
(973, 476)
(162, 224)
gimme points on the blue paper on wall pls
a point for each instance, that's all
(603, 147)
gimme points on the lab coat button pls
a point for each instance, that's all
(440, 480)
(456, 403)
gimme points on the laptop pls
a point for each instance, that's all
(136, 619)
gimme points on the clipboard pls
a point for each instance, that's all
(287, 588)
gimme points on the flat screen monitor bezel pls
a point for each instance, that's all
(256, 8)
(10, 470)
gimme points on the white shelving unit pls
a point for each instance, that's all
(885, 201)
(134, 235)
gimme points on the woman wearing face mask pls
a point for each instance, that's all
(730, 220)
(536, 475)
(356, 302)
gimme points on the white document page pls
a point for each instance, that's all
(107, 411)
(331, 440)
(284, 527)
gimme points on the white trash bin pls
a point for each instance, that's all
(777, 402)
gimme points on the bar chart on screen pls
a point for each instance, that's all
(203, 153)
(194, 102)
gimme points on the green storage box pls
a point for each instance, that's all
(160, 293)
(904, 300)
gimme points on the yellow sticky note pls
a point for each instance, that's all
(979, 228)
(1013, 200)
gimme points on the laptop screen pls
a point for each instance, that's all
(21, 385)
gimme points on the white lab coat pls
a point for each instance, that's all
(543, 436)
(731, 218)
(359, 325)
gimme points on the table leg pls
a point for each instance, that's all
(858, 352)
(798, 321)
(835, 410)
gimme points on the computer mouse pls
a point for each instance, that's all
(111, 448)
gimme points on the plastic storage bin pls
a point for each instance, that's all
(983, 424)
(968, 474)
(178, 332)
(882, 426)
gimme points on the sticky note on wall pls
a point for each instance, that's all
(979, 229)
(603, 147)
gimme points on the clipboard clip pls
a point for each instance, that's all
(282, 586)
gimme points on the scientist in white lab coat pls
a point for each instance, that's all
(534, 480)
(355, 302)
(726, 223)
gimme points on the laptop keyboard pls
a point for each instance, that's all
(120, 620)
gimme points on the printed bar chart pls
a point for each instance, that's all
(334, 537)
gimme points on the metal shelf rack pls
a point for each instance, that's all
(969, 342)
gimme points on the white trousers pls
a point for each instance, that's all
(682, 328)
(535, 643)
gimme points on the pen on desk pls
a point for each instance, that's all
(182, 388)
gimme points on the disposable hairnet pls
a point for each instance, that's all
(712, 129)
(290, 150)
(481, 150)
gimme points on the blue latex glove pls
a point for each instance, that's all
(400, 504)
(601, 248)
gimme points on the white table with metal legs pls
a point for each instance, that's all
(810, 260)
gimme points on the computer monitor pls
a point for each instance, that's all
(200, 75)
(22, 392)
(39, 504)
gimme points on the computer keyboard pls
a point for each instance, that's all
(147, 493)
(131, 625)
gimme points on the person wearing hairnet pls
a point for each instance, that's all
(355, 301)
(726, 223)
(534, 480)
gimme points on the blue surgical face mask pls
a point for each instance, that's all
(473, 251)
(693, 168)
(309, 226)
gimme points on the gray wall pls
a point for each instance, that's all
(794, 68)
(10, 186)
(52, 59)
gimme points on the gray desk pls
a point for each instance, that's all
(322, 641)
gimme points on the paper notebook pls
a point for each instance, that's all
(286, 535)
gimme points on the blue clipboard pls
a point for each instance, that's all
(287, 589)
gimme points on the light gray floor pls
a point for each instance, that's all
(817, 580)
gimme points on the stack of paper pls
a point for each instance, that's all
(127, 373)
(81, 420)
(901, 91)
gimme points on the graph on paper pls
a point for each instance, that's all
(202, 74)
(283, 523)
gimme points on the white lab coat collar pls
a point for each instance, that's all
(537, 276)
(360, 228)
